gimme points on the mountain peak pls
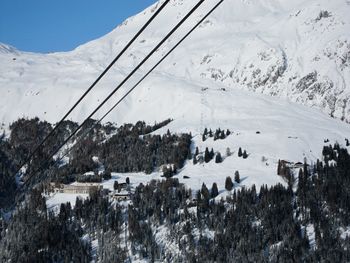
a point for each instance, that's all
(297, 50)
(7, 49)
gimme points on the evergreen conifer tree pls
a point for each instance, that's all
(237, 178)
(207, 155)
(245, 155)
(222, 135)
(240, 152)
(211, 154)
(279, 166)
(218, 158)
(214, 190)
(228, 183)
(205, 192)
(197, 151)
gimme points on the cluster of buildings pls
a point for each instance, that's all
(76, 188)
(122, 194)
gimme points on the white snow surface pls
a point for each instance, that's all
(55, 200)
(267, 46)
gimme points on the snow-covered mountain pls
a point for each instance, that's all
(299, 50)
(275, 47)
(273, 72)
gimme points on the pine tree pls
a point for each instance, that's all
(305, 170)
(237, 178)
(240, 152)
(214, 190)
(222, 135)
(195, 160)
(115, 185)
(228, 183)
(107, 175)
(211, 154)
(218, 158)
(167, 172)
(207, 155)
(279, 166)
(205, 192)
(174, 169)
(197, 151)
(217, 134)
(198, 196)
(205, 132)
(245, 155)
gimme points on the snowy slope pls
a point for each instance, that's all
(299, 50)
(198, 85)
(288, 131)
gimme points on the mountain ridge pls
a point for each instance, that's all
(298, 51)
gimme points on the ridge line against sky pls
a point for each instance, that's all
(61, 25)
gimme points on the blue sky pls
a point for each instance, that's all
(61, 25)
